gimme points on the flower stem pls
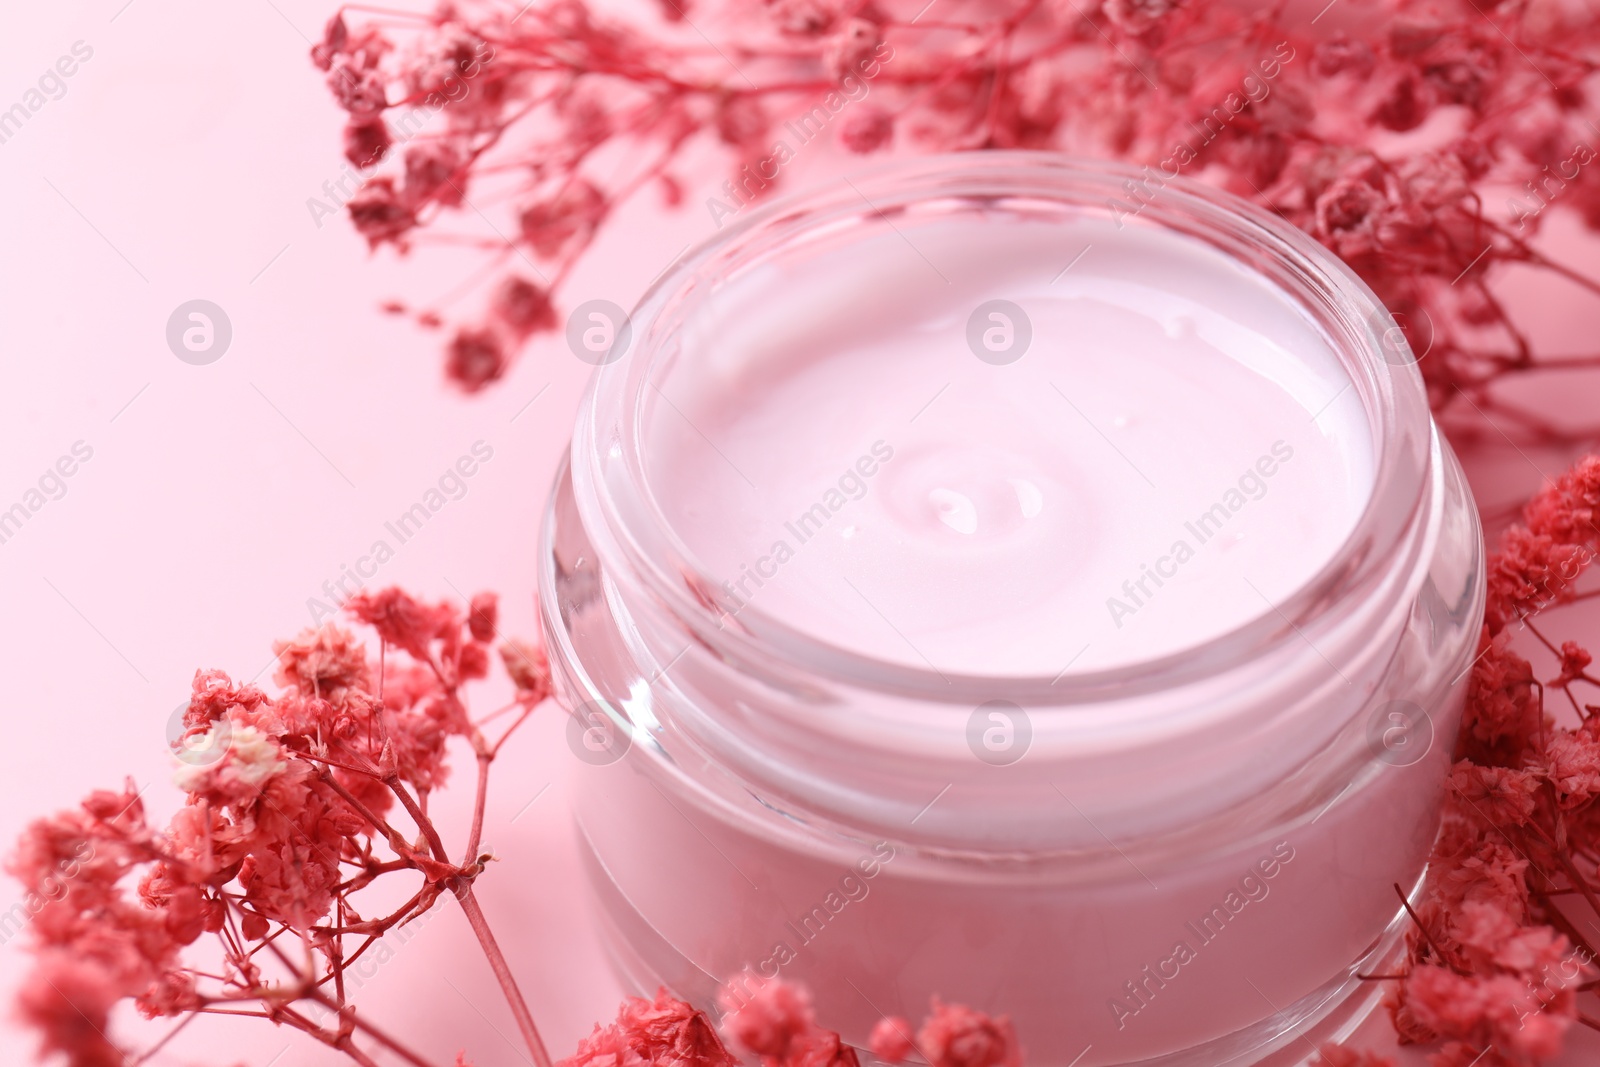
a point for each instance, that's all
(502, 972)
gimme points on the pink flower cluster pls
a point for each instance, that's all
(95, 942)
(287, 818)
(1392, 140)
(773, 1021)
(1540, 558)
(1497, 967)
(953, 1035)
(291, 809)
(664, 1032)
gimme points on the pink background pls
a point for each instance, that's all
(219, 498)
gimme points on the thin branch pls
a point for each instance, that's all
(502, 973)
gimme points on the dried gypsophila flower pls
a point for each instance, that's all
(292, 804)
(1240, 97)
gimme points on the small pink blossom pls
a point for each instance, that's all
(380, 214)
(366, 142)
(475, 358)
(483, 615)
(326, 662)
(742, 121)
(69, 1005)
(1504, 720)
(891, 1039)
(821, 1048)
(1499, 796)
(434, 171)
(250, 758)
(852, 48)
(359, 91)
(1344, 55)
(803, 18)
(1574, 767)
(664, 1032)
(1502, 1010)
(529, 668)
(523, 307)
(955, 1035)
(767, 1020)
(549, 225)
(866, 129)
(404, 621)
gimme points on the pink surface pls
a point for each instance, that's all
(177, 165)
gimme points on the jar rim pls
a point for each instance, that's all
(1364, 336)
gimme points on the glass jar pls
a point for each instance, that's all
(1181, 859)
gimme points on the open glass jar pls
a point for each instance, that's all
(1001, 578)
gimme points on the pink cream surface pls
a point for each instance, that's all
(1175, 451)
